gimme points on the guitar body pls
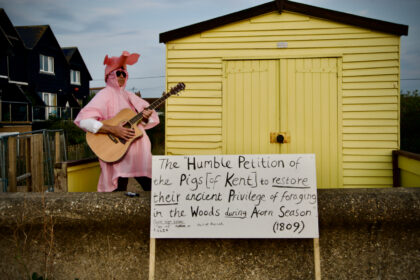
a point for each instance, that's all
(110, 148)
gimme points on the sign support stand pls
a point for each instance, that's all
(317, 259)
(152, 259)
(261, 188)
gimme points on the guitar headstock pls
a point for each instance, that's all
(177, 88)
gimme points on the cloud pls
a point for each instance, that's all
(105, 27)
(58, 14)
(364, 13)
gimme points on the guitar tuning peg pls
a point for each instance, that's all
(163, 93)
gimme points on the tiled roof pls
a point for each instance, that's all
(31, 34)
(68, 52)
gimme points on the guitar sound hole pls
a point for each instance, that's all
(113, 138)
(126, 125)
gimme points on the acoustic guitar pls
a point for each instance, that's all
(110, 148)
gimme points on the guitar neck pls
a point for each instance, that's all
(136, 119)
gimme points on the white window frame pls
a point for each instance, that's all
(74, 77)
(46, 64)
(50, 100)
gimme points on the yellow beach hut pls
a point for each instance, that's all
(285, 77)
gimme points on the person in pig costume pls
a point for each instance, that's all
(137, 162)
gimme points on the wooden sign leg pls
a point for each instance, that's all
(317, 259)
(152, 258)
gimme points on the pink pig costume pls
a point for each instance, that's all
(137, 162)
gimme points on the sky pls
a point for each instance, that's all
(99, 28)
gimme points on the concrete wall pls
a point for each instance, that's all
(364, 234)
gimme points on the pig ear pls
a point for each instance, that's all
(106, 60)
(132, 58)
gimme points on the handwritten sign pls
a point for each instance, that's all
(234, 196)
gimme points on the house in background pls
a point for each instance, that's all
(328, 81)
(38, 78)
(14, 53)
(79, 76)
(16, 99)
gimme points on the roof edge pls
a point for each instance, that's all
(67, 48)
(351, 19)
(216, 22)
(11, 25)
(280, 6)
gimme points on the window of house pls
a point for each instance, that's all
(46, 64)
(50, 99)
(75, 77)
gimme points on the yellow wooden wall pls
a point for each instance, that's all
(367, 86)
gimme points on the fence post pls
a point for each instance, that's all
(57, 147)
(28, 162)
(60, 177)
(11, 141)
(3, 166)
(37, 162)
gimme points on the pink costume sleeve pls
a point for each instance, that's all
(96, 108)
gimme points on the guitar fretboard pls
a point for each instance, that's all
(156, 104)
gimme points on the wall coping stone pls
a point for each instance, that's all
(336, 207)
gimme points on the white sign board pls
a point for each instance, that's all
(234, 196)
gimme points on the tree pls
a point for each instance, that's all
(410, 121)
